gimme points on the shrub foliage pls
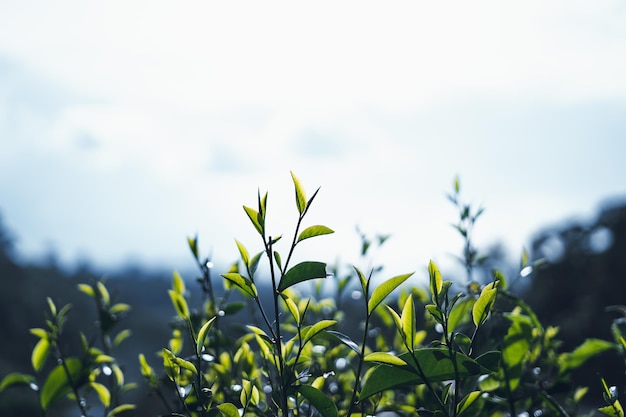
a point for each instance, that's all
(450, 349)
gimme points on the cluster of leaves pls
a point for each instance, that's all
(449, 350)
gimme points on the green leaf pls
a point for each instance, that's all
(40, 333)
(384, 357)
(254, 218)
(16, 378)
(482, 306)
(40, 354)
(193, 246)
(468, 401)
(309, 332)
(171, 366)
(121, 336)
(204, 330)
(87, 289)
(180, 304)
(613, 410)
(178, 285)
(435, 362)
(52, 307)
(245, 257)
(104, 293)
(57, 385)
(103, 393)
(383, 290)
(119, 308)
(120, 409)
(323, 404)
(582, 353)
(302, 272)
(313, 231)
(183, 363)
(436, 281)
(228, 410)
(460, 313)
(242, 282)
(362, 279)
(293, 309)
(408, 322)
(300, 195)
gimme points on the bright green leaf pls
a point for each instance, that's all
(300, 194)
(582, 353)
(384, 357)
(436, 281)
(309, 332)
(40, 354)
(178, 285)
(202, 333)
(121, 336)
(408, 322)
(383, 290)
(103, 393)
(120, 409)
(119, 308)
(243, 252)
(87, 289)
(56, 385)
(468, 401)
(313, 231)
(193, 246)
(228, 410)
(104, 293)
(16, 378)
(180, 304)
(242, 282)
(482, 306)
(254, 218)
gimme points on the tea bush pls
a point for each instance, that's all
(451, 349)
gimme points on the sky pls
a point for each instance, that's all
(126, 127)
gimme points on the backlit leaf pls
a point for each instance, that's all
(87, 289)
(408, 322)
(120, 409)
(16, 378)
(228, 410)
(178, 285)
(383, 290)
(245, 257)
(56, 385)
(242, 282)
(482, 306)
(300, 194)
(384, 357)
(588, 349)
(103, 393)
(436, 281)
(309, 332)
(313, 231)
(180, 304)
(253, 215)
(202, 333)
(40, 354)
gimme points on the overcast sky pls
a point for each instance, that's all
(127, 126)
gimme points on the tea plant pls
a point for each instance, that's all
(439, 351)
